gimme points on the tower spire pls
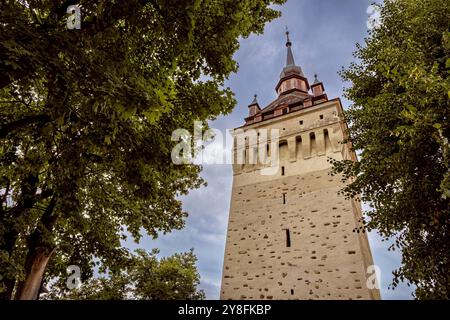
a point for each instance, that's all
(291, 77)
(290, 57)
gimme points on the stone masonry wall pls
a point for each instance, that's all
(324, 260)
(290, 235)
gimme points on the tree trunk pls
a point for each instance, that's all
(8, 240)
(35, 266)
(40, 249)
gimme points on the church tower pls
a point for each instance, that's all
(290, 234)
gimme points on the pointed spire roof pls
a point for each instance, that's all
(290, 68)
(253, 107)
(290, 57)
(255, 100)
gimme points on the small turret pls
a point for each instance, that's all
(318, 89)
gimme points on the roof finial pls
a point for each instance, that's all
(255, 100)
(288, 41)
(316, 80)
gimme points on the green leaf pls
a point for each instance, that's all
(437, 126)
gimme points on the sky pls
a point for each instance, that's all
(324, 34)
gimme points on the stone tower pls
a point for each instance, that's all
(290, 234)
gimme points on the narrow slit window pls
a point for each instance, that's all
(282, 171)
(288, 238)
(284, 198)
(292, 292)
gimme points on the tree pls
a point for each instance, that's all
(399, 122)
(146, 278)
(86, 118)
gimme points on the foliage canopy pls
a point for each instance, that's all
(399, 122)
(86, 118)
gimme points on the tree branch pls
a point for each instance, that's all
(12, 126)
